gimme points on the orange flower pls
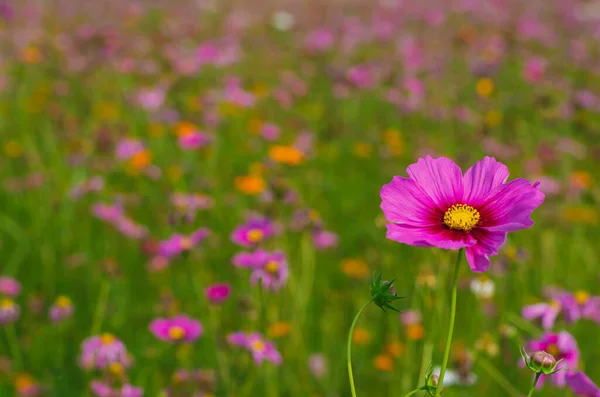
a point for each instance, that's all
(361, 336)
(581, 179)
(184, 128)
(415, 331)
(394, 349)
(141, 159)
(355, 268)
(286, 155)
(393, 141)
(24, 383)
(383, 363)
(484, 87)
(31, 55)
(362, 149)
(250, 184)
(279, 329)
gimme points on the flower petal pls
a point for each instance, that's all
(433, 236)
(404, 201)
(487, 245)
(440, 178)
(582, 385)
(510, 207)
(482, 179)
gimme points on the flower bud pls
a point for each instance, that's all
(383, 293)
(542, 362)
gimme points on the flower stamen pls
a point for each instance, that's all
(461, 217)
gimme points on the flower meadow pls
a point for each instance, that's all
(299, 198)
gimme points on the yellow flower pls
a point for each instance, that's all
(484, 87)
(260, 90)
(286, 154)
(415, 331)
(279, 329)
(156, 130)
(254, 126)
(362, 149)
(426, 278)
(13, 149)
(393, 141)
(250, 184)
(31, 55)
(174, 173)
(486, 343)
(581, 214)
(23, 382)
(493, 118)
(361, 336)
(383, 363)
(355, 268)
(394, 349)
(581, 179)
(106, 111)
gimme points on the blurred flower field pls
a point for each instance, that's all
(193, 196)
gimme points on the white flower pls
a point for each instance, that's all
(283, 21)
(483, 287)
(452, 377)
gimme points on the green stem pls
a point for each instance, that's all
(535, 381)
(414, 392)
(100, 307)
(438, 389)
(11, 335)
(498, 377)
(349, 347)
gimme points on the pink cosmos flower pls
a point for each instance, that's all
(439, 207)
(317, 363)
(561, 345)
(61, 309)
(580, 305)
(150, 98)
(9, 311)
(270, 268)
(103, 389)
(269, 131)
(193, 140)
(548, 312)
(128, 147)
(534, 70)
(99, 352)
(323, 239)
(178, 243)
(176, 329)
(9, 286)
(253, 232)
(218, 293)
(107, 212)
(319, 40)
(260, 348)
(582, 385)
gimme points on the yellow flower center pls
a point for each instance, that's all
(255, 235)
(63, 302)
(582, 297)
(258, 345)
(116, 368)
(186, 243)
(553, 349)
(6, 303)
(176, 332)
(555, 304)
(107, 339)
(272, 266)
(461, 217)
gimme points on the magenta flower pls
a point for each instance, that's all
(562, 346)
(129, 147)
(253, 232)
(582, 385)
(130, 229)
(9, 286)
(323, 239)
(180, 328)
(103, 389)
(218, 293)
(108, 212)
(269, 131)
(193, 140)
(9, 311)
(99, 352)
(151, 98)
(580, 305)
(439, 207)
(61, 310)
(318, 40)
(534, 70)
(547, 312)
(260, 348)
(178, 243)
(270, 268)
